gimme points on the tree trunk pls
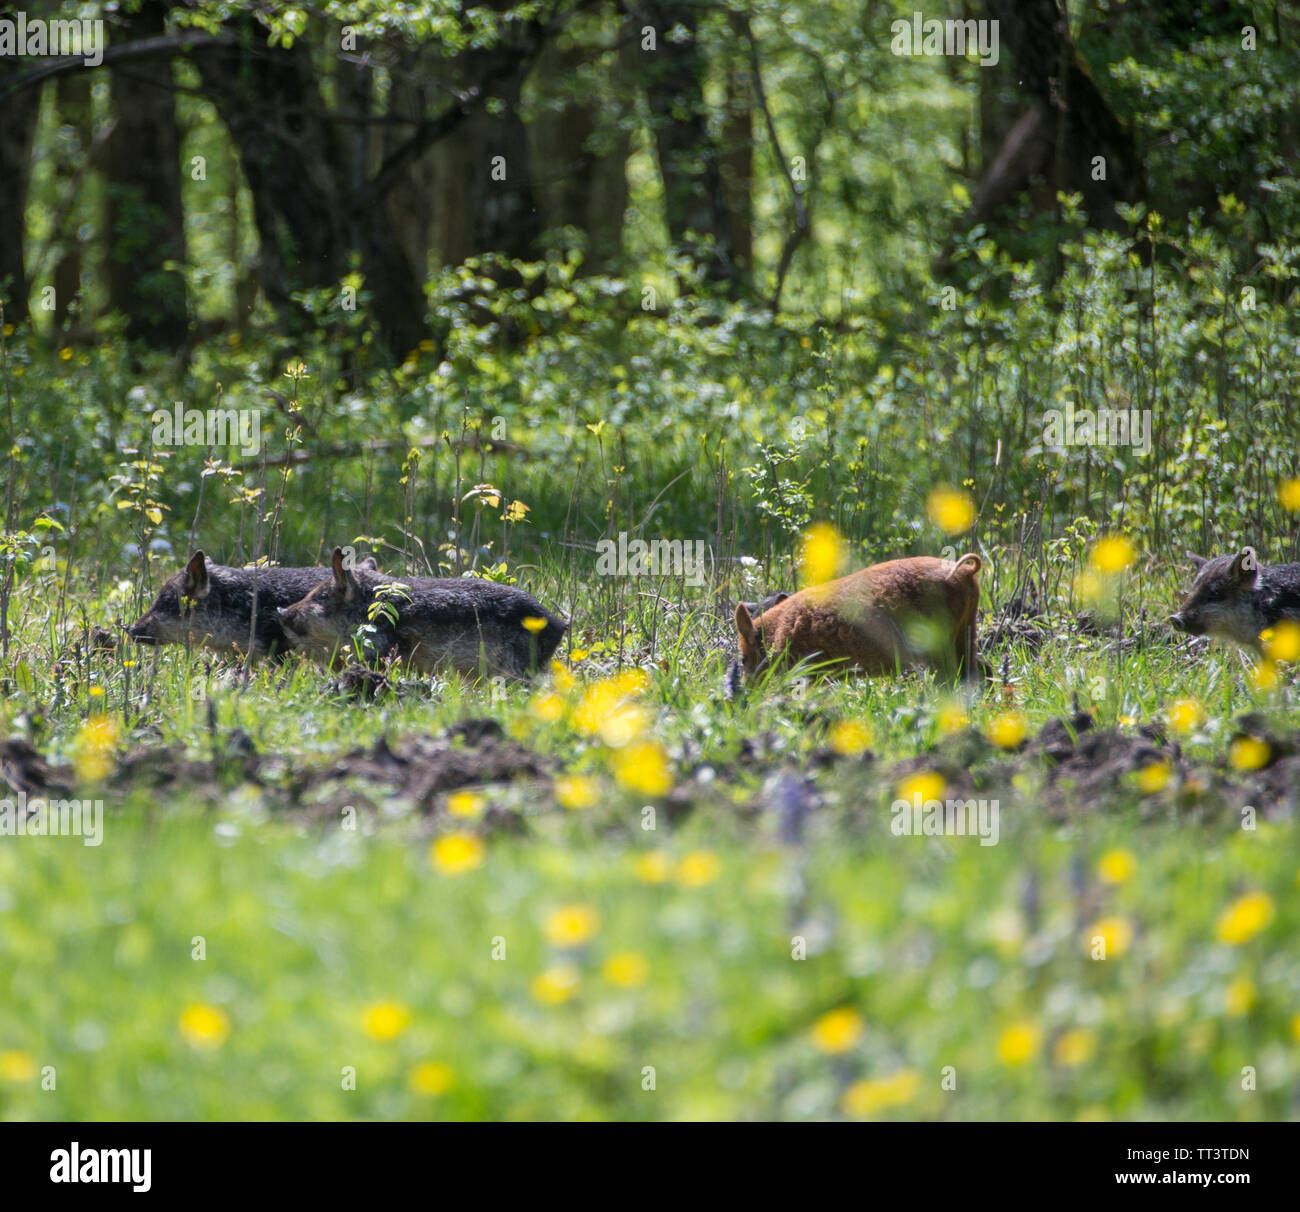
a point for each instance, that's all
(694, 199)
(1075, 139)
(18, 115)
(146, 222)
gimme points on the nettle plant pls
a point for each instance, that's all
(381, 617)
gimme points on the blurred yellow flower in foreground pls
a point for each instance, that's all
(547, 706)
(576, 791)
(1185, 715)
(654, 867)
(385, 1020)
(1153, 777)
(1008, 729)
(627, 969)
(1075, 1047)
(204, 1026)
(1112, 555)
(16, 1066)
(928, 784)
(822, 554)
(1264, 676)
(1018, 1043)
(643, 767)
(1248, 753)
(1117, 866)
(571, 925)
(555, 985)
(1283, 642)
(698, 868)
(950, 509)
(1245, 918)
(838, 1030)
(849, 737)
(1288, 495)
(1239, 997)
(1295, 1027)
(532, 623)
(464, 804)
(456, 853)
(952, 717)
(881, 1093)
(432, 1077)
(1115, 933)
(94, 745)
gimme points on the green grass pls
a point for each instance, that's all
(947, 953)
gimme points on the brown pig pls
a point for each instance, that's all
(891, 617)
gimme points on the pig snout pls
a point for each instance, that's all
(139, 631)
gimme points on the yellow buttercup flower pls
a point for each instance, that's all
(1248, 753)
(838, 1030)
(928, 784)
(850, 737)
(432, 1077)
(627, 969)
(385, 1021)
(1284, 642)
(822, 555)
(555, 985)
(1117, 866)
(1288, 495)
(1153, 777)
(1185, 715)
(16, 1066)
(96, 738)
(571, 925)
(1264, 676)
(1018, 1043)
(1112, 555)
(456, 853)
(1295, 1027)
(873, 1095)
(643, 767)
(204, 1027)
(698, 868)
(1245, 918)
(951, 509)
(1116, 934)
(533, 624)
(952, 717)
(1239, 997)
(1009, 729)
(547, 707)
(464, 804)
(1075, 1048)
(653, 867)
(576, 791)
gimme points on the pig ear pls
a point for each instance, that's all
(1198, 562)
(745, 628)
(196, 576)
(343, 579)
(1245, 567)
